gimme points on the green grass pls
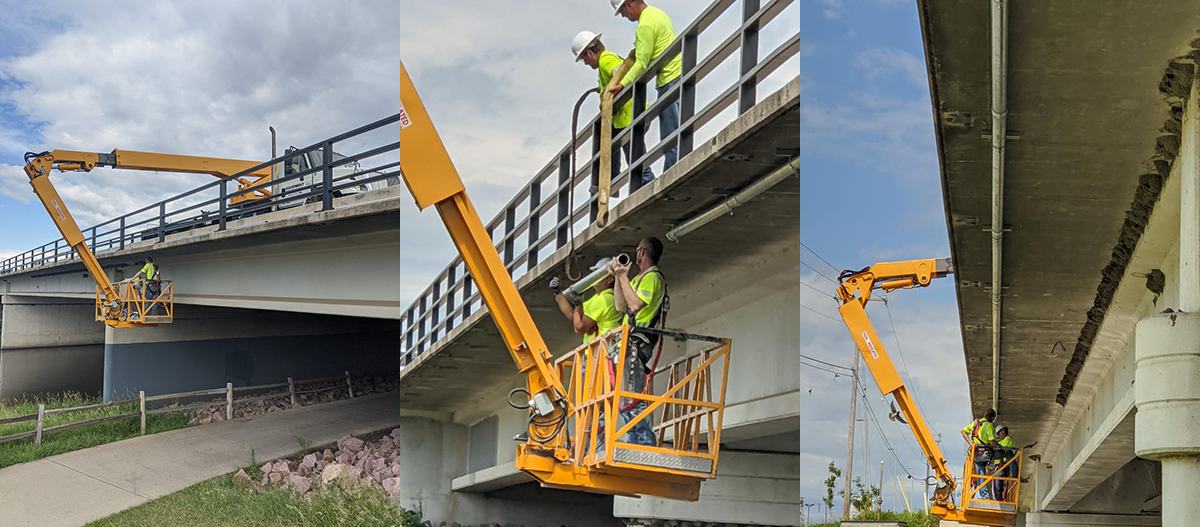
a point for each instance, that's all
(221, 502)
(913, 519)
(22, 450)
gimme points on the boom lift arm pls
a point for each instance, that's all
(117, 304)
(854, 290)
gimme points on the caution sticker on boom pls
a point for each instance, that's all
(405, 122)
(870, 345)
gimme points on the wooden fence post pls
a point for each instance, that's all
(37, 439)
(349, 388)
(142, 402)
(229, 401)
(292, 390)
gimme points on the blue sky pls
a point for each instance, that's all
(871, 192)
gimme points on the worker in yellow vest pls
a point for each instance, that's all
(653, 36)
(981, 437)
(589, 50)
(1006, 449)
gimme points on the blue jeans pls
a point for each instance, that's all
(981, 470)
(668, 122)
(647, 174)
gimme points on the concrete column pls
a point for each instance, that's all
(49, 345)
(1167, 391)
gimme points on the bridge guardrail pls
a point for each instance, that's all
(185, 211)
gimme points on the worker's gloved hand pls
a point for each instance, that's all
(554, 283)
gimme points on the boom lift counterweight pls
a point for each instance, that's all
(854, 290)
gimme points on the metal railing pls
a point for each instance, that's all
(185, 212)
(533, 225)
(691, 405)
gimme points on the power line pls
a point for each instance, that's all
(879, 430)
(900, 351)
(825, 363)
(819, 273)
(820, 313)
(823, 293)
(815, 367)
(835, 269)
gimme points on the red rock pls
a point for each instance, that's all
(395, 469)
(218, 417)
(275, 478)
(353, 444)
(345, 458)
(309, 461)
(299, 485)
(282, 467)
(242, 478)
(396, 433)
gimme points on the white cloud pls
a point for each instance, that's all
(888, 61)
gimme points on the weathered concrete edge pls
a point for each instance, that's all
(760, 115)
(348, 208)
(1055, 500)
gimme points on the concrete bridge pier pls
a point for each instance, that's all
(1167, 382)
(206, 347)
(49, 345)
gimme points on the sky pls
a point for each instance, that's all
(208, 79)
(871, 192)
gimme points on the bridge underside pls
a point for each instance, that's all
(1093, 128)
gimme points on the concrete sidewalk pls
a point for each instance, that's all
(78, 487)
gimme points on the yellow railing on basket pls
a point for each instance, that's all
(685, 410)
(136, 305)
(1003, 490)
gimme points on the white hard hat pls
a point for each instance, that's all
(582, 41)
(617, 6)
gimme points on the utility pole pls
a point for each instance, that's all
(879, 500)
(850, 436)
(926, 487)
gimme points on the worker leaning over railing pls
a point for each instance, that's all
(645, 302)
(981, 435)
(654, 35)
(588, 49)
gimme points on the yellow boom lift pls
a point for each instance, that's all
(568, 395)
(121, 304)
(854, 290)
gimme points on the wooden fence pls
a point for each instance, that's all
(228, 391)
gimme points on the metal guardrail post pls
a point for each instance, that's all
(221, 213)
(292, 390)
(749, 57)
(638, 135)
(687, 95)
(142, 404)
(162, 222)
(349, 387)
(37, 438)
(122, 245)
(94, 248)
(535, 199)
(229, 401)
(327, 177)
